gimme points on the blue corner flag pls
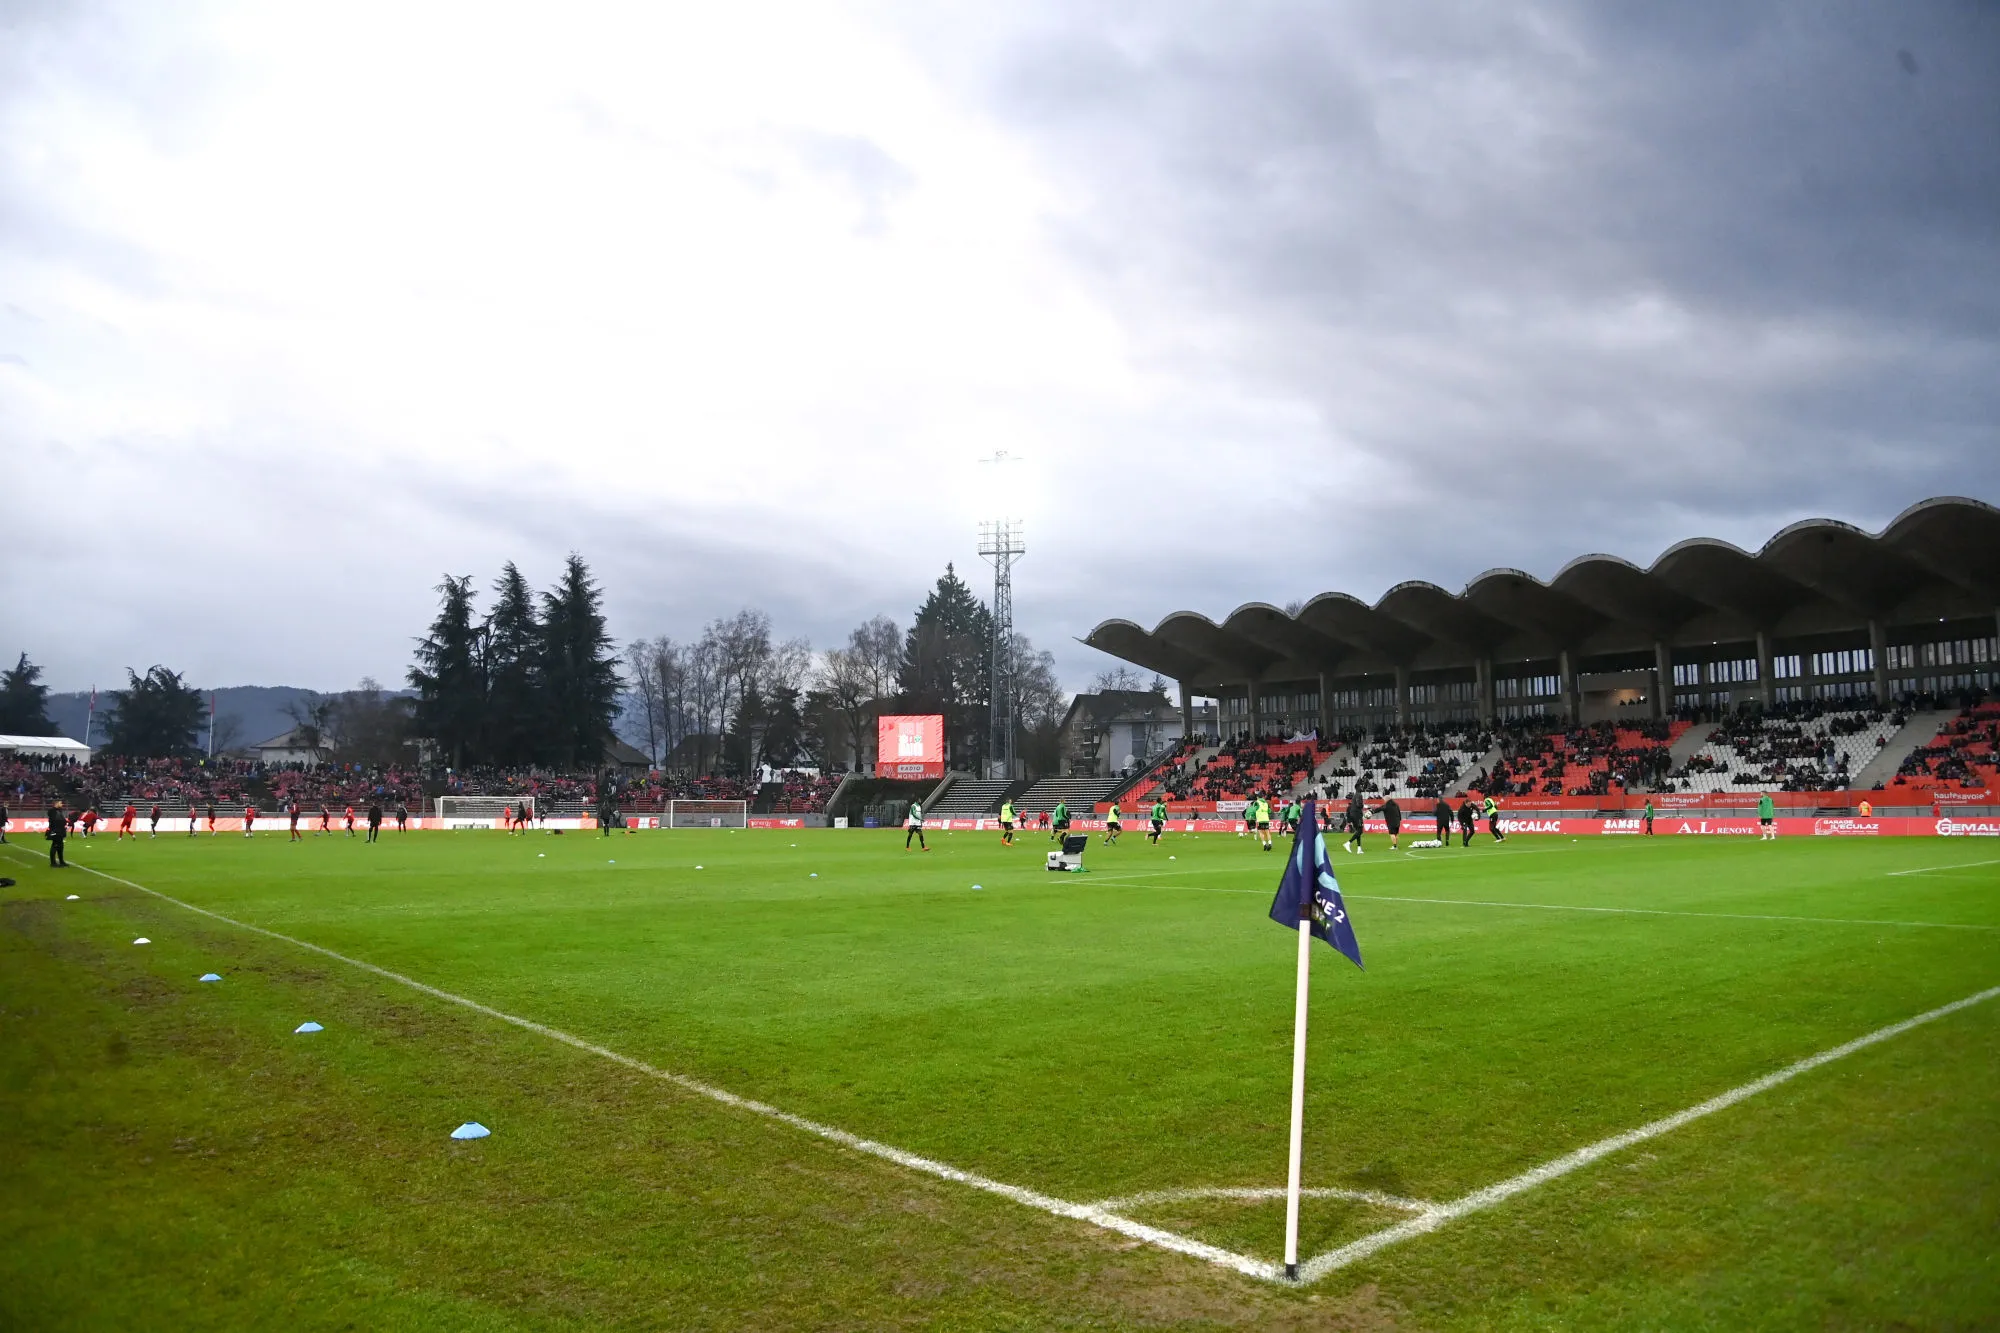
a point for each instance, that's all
(1308, 871)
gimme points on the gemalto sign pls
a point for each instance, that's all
(1968, 828)
(909, 746)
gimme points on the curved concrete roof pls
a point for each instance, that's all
(1811, 576)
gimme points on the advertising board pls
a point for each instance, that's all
(909, 746)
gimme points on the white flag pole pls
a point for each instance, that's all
(1298, 1086)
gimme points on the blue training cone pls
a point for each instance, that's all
(210, 976)
(308, 1027)
(471, 1129)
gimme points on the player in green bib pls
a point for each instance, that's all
(1767, 818)
(1059, 821)
(1158, 816)
(1288, 822)
(1006, 823)
(1113, 825)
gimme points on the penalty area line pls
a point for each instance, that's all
(1096, 1215)
(1321, 1265)
(1930, 870)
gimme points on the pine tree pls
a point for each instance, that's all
(947, 665)
(515, 710)
(451, 692)
(24, 701)
(579, 670)
(156, 716)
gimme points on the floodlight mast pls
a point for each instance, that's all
(1000, 541)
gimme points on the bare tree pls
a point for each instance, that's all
(877, 645)
(642, 662)
(849, 686)
(312, 723)
(705, 691)
(1117, 678)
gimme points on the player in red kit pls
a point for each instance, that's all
(350, 821)
(125, 822)
(293, 811)
(249, 818)
(153, 820)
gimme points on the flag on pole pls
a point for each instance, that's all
(1309, 879)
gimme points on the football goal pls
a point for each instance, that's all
(708, 814)
(479, 811)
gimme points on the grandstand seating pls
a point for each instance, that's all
(1805, 749)
(1415, 762)
(973, 797)
(1239, 770)
(1965, 754)
(1080, 794)
(1597, 760)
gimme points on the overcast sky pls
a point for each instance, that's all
(304, 306)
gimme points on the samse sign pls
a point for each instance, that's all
(909, 746)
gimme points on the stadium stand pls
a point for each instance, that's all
(1596, 760)
(1080, 794)
(1966, 754)
(1799, 748)
(1410, 762)
(1239, 770)
(974, 796)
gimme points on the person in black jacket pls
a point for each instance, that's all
(1393, 814)
(1357, 822)
(1467, 822)
(1444, 821)
(58, 830)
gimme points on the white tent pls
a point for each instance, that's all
(45, 747)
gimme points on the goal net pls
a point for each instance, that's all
(479, 811)
(708, 814)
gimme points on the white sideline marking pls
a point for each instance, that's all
(1662, 911)
(1151, 1197)
(1319, 1266)
(1962, 865)
(1082, 1212)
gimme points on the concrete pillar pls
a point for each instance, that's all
(1402, 696)
(1256, 707)
(1572, 704)
(1326, 727)
(1764, 668)
(1187, 710)
(1878, 645)
(1482, 670)
(1663, 678)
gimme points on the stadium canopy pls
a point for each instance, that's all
(45, 747)
(1817, 586)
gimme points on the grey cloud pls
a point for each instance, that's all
(871, 175)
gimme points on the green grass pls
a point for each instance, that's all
(174, 1156)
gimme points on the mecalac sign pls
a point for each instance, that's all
(1968, 828)
(1531, 826)
(1847, 828)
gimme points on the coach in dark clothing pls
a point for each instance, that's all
(58, 830)
(374, 820)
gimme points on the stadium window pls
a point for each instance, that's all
(1786, 667)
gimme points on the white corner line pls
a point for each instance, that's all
(1082, 1212)
(1321, 1265)
(1253, 1193)
(1662, 911)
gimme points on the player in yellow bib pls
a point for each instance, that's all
(1006, 823)
(1113, 826)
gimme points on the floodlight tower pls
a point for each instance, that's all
(1001, 542)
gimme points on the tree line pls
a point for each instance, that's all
(736, 697)
(536, 680)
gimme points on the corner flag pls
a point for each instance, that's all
(1308, 896)
(1309, 879)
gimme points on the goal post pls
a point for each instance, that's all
(708, 814)
(479, 811)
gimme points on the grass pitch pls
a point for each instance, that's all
(176, 1156)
